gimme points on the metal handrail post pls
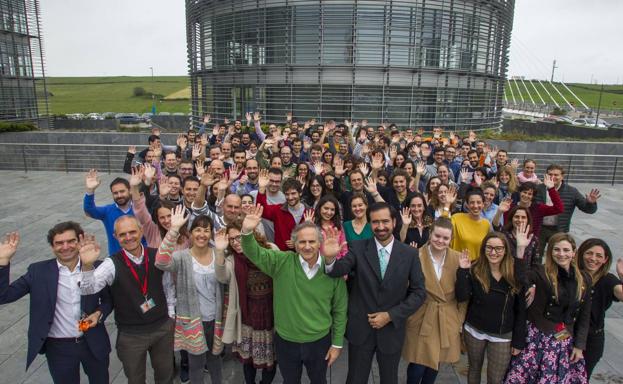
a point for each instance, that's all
(24, 158)
(614, 173)
(65, 159)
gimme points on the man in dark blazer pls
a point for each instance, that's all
(386, 287)
(56, 308)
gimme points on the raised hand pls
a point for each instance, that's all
(464, 175)
(221, 240)
(208, 178)
(406, 216)
(225, 121)
(257, 117)
(593, 196)
(309, 215)
(289, 117)
(523, 236)
(363, 167)
(464, 260)
(163, 186)
(331, 246)
(178, 218)
(338, 167)
(223, 184)
(137, 176)
(132, 149)
(451, 196)
(89, 250)
(515, 164)
(149, 171)
(548, 181)
(196, 151)
(92, 181)
(417, 150)
(307, 144)
(262, 179)
(206, 118)
(252, 219)
(182, 141)
(393, 152)
(505, 205)
(413, 244)
(620, 268)
(234, 171)
(318, 168)
(200, 168)
(420, 168)
(495, 181)
(377, 161)
(371, 185)
(8, 247)
(248, 117)
(243, 179)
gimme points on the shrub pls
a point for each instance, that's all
(6, 126)
(139, 91)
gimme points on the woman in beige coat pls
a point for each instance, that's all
(249, 323)
(433, 332)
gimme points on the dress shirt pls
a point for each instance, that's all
(67, 312)
(437, 266)
(310, 272)
(388, 248)
(96, 279)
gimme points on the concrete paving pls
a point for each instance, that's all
(33, 202)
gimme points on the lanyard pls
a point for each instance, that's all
(143, 285)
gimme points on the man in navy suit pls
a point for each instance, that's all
(56, 308)
(386, 287)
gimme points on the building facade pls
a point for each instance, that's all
(23, 93)
(416, 63)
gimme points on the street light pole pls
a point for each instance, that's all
(601, 91)
(153, 95)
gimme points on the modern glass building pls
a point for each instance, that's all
(417, 63)
(23, 93)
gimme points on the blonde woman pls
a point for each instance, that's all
(433, 332)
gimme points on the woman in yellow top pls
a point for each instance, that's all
(433, 332)
(469, 229)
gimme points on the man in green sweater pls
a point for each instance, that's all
(310, 307)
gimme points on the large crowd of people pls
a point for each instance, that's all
(282, 244)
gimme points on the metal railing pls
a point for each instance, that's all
(26, 157)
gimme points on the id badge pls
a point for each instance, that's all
(562, 335)
(147, 305)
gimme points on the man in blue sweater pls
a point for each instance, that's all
(108, 214)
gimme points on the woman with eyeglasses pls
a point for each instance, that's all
(495, 323)
(595, 258)
(558, 319)
(249, 325)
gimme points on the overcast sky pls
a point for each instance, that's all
(126, 37)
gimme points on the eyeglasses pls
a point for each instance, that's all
(235, 238)
(499, 249)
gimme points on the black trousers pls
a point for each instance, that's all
(594, 350)
(293, 356)
(360, 362)
(64, 359)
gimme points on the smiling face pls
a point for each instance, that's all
(120, 194)
(382, 224)
(307, 244)
(246, 202)
(416, 207)
(164, 217)
(358, 207)
(293, 197)
(563, 253)
(440, 239)
(234, 239)
(495, 250)
(475, 205)
(594, 258)
(505, 177)
(489, 196)
(528, 168)
(200, 236)
(525, 196)
(315, 188)
(327, 211)
(65, 246)
(128, 233)
(399, 183)
(520, 218)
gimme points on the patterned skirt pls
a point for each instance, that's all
(545, 360)
(256, 347)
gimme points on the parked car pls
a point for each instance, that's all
(587, 122)
(179, 114)
(108, 115)
(146, 117)
(95, 116)
(164, 114)
(128, 118)
(75, 116)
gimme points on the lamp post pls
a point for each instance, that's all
(153, 95)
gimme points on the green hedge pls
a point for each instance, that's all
(6, 126)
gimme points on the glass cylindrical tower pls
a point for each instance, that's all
(418, 63)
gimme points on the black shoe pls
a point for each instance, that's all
(184, 376)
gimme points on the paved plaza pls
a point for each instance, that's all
(34, 202)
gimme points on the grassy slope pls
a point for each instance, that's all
(588, 93)
(113, 94)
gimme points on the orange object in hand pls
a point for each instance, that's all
(84, 325)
